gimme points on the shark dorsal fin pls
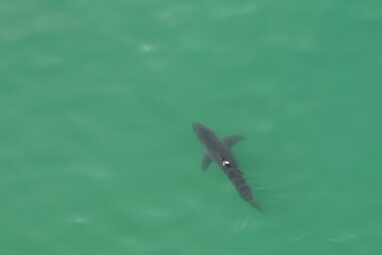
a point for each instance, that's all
(225, 163)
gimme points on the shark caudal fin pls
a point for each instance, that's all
(256, 205)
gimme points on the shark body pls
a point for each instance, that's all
(219, 151)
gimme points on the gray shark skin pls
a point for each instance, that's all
(219, 151)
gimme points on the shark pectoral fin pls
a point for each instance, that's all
(206, 162)
(231, 140)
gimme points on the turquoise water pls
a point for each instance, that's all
(97, 153)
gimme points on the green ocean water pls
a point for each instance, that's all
(97, 153)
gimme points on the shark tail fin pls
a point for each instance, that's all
(256, 205)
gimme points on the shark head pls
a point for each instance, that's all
(201, 130)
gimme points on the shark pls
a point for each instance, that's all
(219, 151)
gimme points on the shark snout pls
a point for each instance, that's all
(197, 127)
